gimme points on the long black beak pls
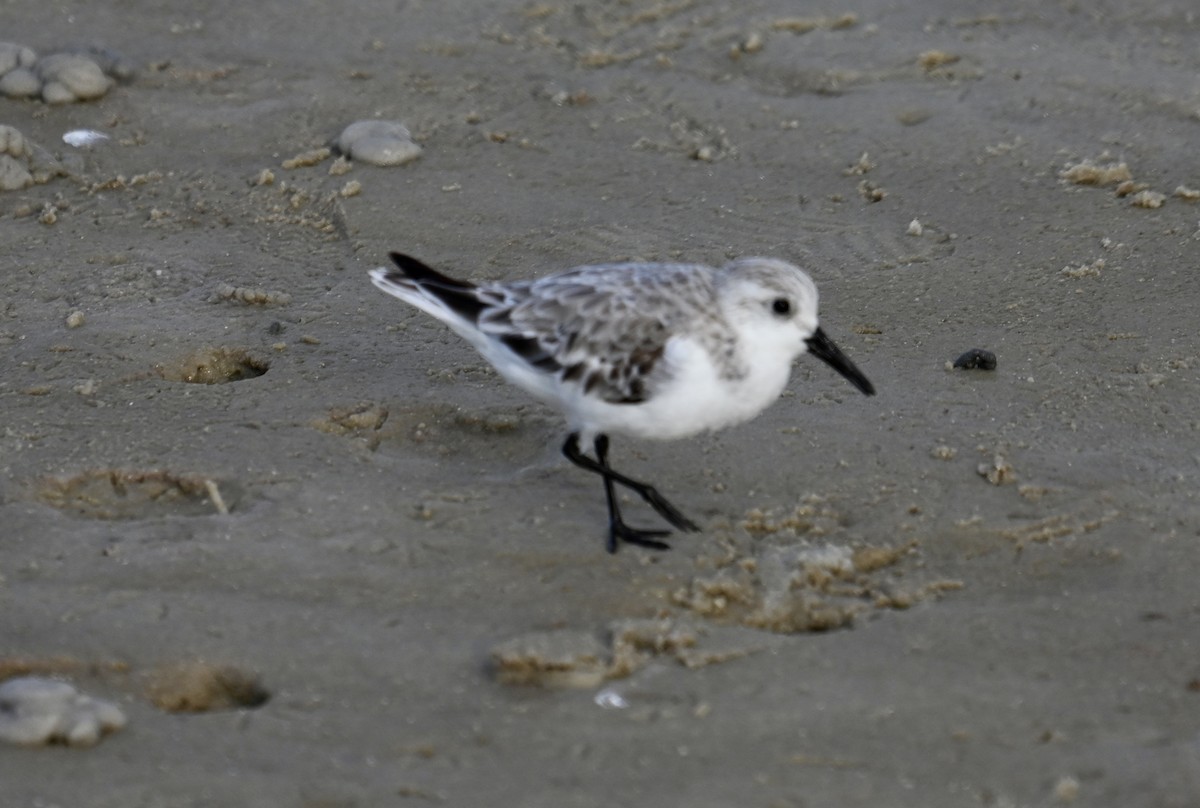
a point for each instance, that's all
(824, 349)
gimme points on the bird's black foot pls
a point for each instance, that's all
(618, 532)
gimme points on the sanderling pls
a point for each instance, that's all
(645, 350)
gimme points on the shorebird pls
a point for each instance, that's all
(650, 351)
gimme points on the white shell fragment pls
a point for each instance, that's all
(381, 143)
(36, 711)
(610, 699)
(84, 138)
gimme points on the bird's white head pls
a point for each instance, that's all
(770, 302)
(773, 306)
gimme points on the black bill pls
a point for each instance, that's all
(824, 349)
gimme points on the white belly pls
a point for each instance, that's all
(696, 398)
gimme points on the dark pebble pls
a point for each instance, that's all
(976, 359)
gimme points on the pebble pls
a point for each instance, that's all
(976, 359)
(14, 160)
(35, 711)
(998, 471)
(20, 82)
(112, 63)
(257, 297)
(13, 56)
(12, 142)
(380, 143)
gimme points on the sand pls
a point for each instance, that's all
(224, 450)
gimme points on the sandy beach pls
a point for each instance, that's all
(320, 554)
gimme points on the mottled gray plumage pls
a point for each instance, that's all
(605, 327)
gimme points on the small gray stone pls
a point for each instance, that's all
(13, 56)
(20, 82)
(13, 174)
(55, 92)
(381, 143)
(13, 142)
(112, 63)
(976, 359)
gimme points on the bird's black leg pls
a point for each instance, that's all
(618, 530)
(647, 492)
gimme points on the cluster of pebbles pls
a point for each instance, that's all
(57, 78)
(82, 75)
(60, 78)
(22, 163)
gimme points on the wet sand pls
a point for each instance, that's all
(1010, 614)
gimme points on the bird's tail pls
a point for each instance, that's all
(429, 290)
(419, 272)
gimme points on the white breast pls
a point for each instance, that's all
(694, 397)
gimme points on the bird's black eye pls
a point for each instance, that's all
(781, 305)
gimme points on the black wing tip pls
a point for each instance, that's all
(530, 349)
(417, 270)
(457, 296)
(405, 261)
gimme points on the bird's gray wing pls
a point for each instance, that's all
(604, 328)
